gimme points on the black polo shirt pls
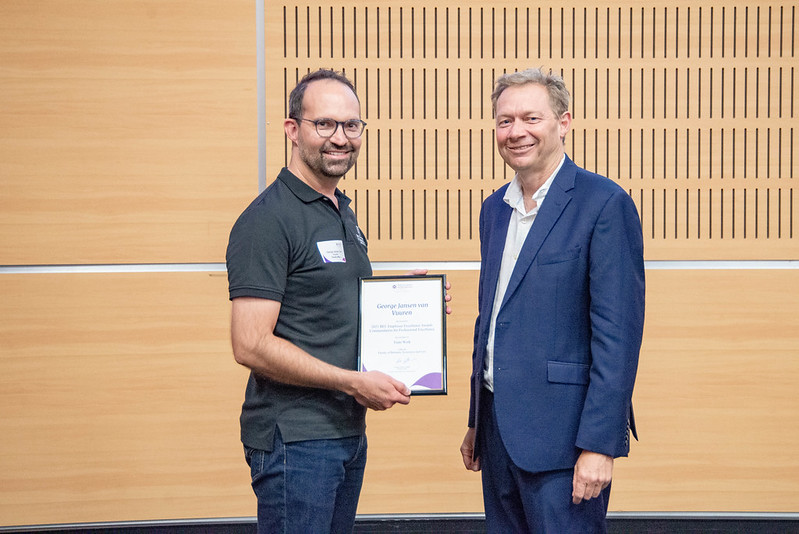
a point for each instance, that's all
(292, 245)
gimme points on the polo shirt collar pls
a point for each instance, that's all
(305, 192)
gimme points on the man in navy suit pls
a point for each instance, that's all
(561, 313)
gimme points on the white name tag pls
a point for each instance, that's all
(331, 251)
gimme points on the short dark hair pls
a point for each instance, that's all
(298, 93)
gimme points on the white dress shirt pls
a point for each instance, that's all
(518, 227)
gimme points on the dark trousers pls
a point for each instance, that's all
(517, 501)
(308, 486)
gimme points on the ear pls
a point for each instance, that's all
(564, 125)
(292, 129)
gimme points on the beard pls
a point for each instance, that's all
(324, 165)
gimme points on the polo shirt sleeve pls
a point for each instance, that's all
(257, 255)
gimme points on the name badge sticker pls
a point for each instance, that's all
(331, 251)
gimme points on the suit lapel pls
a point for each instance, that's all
(496, 245)
(555, 202)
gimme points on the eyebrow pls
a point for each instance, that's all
(526, 113)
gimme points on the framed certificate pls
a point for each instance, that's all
(402, 330)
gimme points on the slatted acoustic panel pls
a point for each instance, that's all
(126, 129)
(690, 106)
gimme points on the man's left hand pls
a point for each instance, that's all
(592, 473)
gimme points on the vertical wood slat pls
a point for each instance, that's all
(651, 101)
(713, 214)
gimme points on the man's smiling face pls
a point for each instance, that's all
(529, 134)
(333, 156)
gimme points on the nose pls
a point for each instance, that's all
(516, 129)
(338, 136)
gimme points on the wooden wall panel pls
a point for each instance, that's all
(687, 105)
(414, 461)
(715, 398)
(127, 129)
(128, 135)
(714, 403)
(119, 399)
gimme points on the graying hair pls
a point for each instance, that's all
(556, 88)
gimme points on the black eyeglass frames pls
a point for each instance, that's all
(352, 128)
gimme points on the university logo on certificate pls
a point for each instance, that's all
(402, 330)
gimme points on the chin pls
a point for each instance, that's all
(336, 172)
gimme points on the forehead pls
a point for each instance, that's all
(330, 99)
(527, 98)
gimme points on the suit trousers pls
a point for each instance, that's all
(517, 501)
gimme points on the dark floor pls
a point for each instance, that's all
(467, 524)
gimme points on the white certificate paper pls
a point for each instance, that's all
(402, 330)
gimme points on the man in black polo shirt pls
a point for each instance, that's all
(294, 259)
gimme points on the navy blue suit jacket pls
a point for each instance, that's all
(569, 330)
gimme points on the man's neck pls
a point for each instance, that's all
(531, 183)
(532, 180)
(325, 186)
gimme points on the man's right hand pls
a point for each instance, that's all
(378, 391)
(467, 451)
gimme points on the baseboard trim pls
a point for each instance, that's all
(618, 522)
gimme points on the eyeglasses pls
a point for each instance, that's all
(352, 128)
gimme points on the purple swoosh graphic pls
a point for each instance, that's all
(431, 380)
